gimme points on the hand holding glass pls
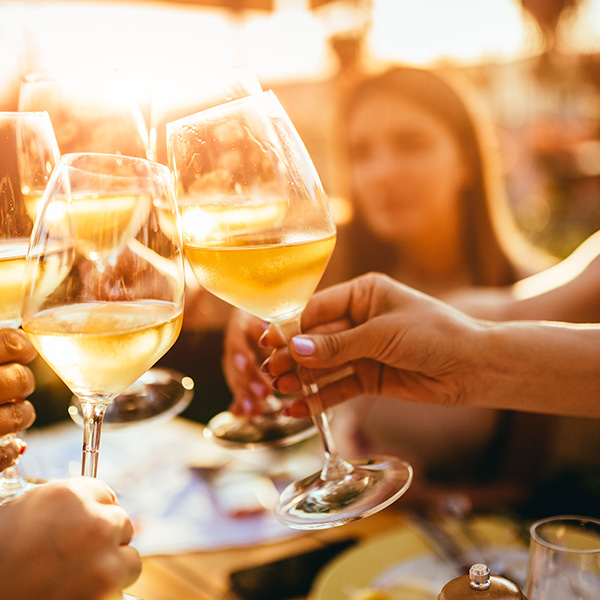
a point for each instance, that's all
(258, 231)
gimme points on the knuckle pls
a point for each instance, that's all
(23, 380)
(332, 345)
(10, 341)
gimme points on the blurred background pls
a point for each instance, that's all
(536, 63)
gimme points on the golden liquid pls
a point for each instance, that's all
(99, 350)
(33, 203)
(97, 223)
(12, 270)
(203, 221)
(273, 282)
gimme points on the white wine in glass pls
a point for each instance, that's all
(258, 231)
(104, 281)
(100, 110)
(28, 153)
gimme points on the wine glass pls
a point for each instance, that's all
(173, 102)
(258, 231)
(179, 97)
(28, 153)
(101, 111)
(91, 111)
(564, 559)
(271, 427)
(104, 282)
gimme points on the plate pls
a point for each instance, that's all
(401, 565)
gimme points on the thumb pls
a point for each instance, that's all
(328, 350)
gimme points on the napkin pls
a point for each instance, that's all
(159, 473)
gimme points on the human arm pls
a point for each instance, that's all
(16, 382)
(568, 291)
(407, 345)
(66, 540)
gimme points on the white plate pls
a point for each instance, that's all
(400, 565)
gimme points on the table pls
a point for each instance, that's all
(204, 575)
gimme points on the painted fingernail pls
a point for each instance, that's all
(259, 389)
(275, 383)
(261, 340)
(241, 362)
(23, 448)
(285, 411)
(303, 346)
(265, 367)
(247, 405)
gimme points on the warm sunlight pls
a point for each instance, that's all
(470, 30)
(290, 43)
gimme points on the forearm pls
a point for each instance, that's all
(538, 367)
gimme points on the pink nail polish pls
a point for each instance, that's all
(259, 389)
(247, 405)
(303, 346)
(241, 362)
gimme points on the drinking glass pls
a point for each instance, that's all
(179, 97)
(104, 282)
(564, 559)
(258, 232)
(91, 110)
(100, 110)
(28, 153)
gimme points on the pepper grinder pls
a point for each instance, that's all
(480, 584)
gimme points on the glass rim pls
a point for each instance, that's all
(223, 106)
(574, 519)
(70, 158)
(57, 74)
(24, 113)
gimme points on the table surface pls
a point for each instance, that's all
(205, 575)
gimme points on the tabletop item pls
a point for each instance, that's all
(480, 584)
(564, 559)
(258, 231)
(100, 110)
(28, 153)
(405, 563)
(174, 504)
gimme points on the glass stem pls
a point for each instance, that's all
(93, 414)
(335, 467)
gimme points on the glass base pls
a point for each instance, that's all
(13, 489)
(267, 430)
(158, 394)
(371, 485)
